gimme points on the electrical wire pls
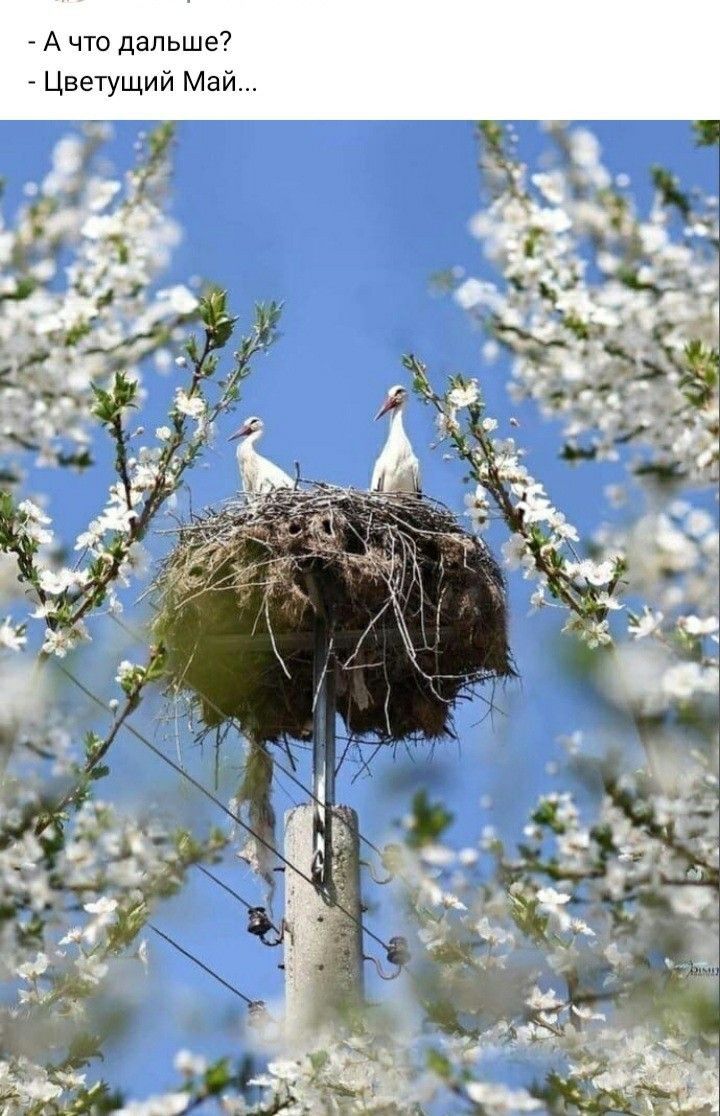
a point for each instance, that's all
(226, 887)
(248, 906)
(200, 964)
(217, 801)
(276, 762)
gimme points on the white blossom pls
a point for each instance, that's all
(12, 637)
(179, 299)
(553, 903)
(188, 1064)
(695, 626)
(500, 1098)
(192, 405)
(33, 969)
(62, 640)
(463, 396)
(646, 624)
(55, 582)
(169, 1104)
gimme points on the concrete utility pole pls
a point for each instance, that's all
(323, 945)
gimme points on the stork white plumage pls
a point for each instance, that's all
(397, 469)
(257, 474)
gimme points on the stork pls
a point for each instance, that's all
(258, 475)
(397, 468)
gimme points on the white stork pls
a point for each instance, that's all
(258, 475)
(397, 468)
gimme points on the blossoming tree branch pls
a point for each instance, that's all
(564, 952)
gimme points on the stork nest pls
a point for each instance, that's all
(416, 607)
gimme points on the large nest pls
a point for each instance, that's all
(417, 608)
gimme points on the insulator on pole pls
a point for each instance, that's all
(397, 951)
(258, 922)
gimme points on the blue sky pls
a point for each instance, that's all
(344, 222)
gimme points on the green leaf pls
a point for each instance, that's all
(439, 1064)
(577, 326)
(160, 139)
(76, 333)
(669, 189)
(429, 820)
(319, 1059)
(701, 380)
(578, 453)
(707, 132)
(85, 1046)
(110, 403)
(93, 744)
(217, 1076)
(492, 133)
(219, 324)
(23, 289)
(545, 813)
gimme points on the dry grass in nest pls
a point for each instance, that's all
(417, 605)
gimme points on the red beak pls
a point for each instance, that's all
(388, 405)
(245, 429)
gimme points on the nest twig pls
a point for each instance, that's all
(417, 607)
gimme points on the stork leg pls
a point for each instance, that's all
(323, 747)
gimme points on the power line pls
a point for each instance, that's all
(276, 762)
(248, 906)
(224, 886)
(217, 801)
(290, 797)
(200, 964)
(259, 923)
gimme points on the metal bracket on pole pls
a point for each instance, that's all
(324, 706)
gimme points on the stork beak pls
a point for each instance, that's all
(239, 433)
(388, 405)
